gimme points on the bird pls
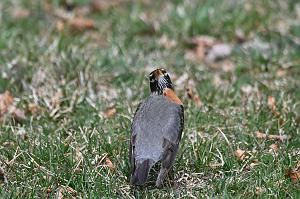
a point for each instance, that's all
(156, 130)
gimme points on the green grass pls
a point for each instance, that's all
(36, 61)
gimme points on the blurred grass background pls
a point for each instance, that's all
(74, 76)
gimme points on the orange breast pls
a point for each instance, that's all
(170, 94)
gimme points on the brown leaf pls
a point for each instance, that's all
(273, 148)
(281, 73)
(271, 137)
(60, 25)
(82, 11)
(81, 24)
(19, 13)
(194, 97)
(272, 103)
(208, 49)
(64, 191)
(294, 174)
(110, 112)
(18, 114)
(33, 108)
(6, 100)
(102, 5)
(259, 190)
(109, 164)
(203, 43)
(240, 154)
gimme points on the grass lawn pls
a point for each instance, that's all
(79, 85)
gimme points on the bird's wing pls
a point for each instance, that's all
(172, 130)
(133, 138)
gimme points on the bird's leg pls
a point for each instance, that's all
(161, 176)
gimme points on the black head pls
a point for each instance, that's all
(159, 80)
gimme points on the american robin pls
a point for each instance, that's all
(156, 129)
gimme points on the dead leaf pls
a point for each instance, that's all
(102, 5)
(19, 13)
(48, 190)
(110, 112)
(60, 25)
(64, 191)
(254, 163)
(6, 100)
(208, 49)
(81, 24)
(33, 108)
(203, 43)
(240, 154)
(273, 148)
(18, 114)
(281, 73)
(272, 103)
(271, 137)
(109, 164)
(194, 97)
(294, 174)
(259, 190)
(82, 11)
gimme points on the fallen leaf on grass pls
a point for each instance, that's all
(18, 114)
(109, 164)
(240, 154)
(203, 43)
(281, 73)
(259, 190)
(6, 100)
(110, 112)
(271, 137)
(102, 5)
(294, 174)
(194, 97)
(273, 148)
(254, 163)
(60, 25)
(19, 13)
(65, 192)
(272, 103)
(8, 108)
(81, 24)
(33, 108)
(208, 49)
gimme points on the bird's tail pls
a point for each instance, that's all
(141, 172)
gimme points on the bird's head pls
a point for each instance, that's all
(159, 80)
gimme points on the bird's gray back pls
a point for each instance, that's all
(156, 119)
